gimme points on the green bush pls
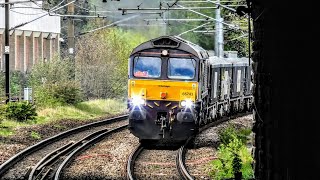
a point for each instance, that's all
(231, 133)
(231, 160)
(58, 94)
(2, 112)
(55, 71)
(53, 83)
(233, 155)
(20, 111)
(17, 82)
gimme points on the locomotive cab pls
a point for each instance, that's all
(163, 89)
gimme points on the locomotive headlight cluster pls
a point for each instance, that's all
(137, 101)
(187, 103)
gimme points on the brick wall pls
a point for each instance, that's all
(285, 91)
(261, 165)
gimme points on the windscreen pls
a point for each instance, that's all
(181, 68)
(148, 67)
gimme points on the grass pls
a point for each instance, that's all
(7, 126)
(60, 127)
(82, 111)
(35, 135)
(6, 132)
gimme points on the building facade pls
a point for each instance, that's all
(37, 41)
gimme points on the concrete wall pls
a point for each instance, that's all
(31, 43)
(28, 48)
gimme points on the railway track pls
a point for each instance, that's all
(180, 153)
(43, 159)
(145, 163)
(181, 166)
(83, 147)
(49, 158)
(132, 160)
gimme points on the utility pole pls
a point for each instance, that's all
(6, 51)
(218, 43)
(71, 44)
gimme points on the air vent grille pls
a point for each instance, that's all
(165, 42)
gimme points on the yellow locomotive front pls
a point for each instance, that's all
(163, 93)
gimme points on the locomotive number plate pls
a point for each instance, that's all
(187, 94)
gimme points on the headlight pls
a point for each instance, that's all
(136, 101)
(187, 103)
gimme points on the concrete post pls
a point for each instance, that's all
(50, 48)
(12, 42)
(20, 51)
(36, 49)
(23, 53)
(30, 51)
(40, 57)
(57, 45)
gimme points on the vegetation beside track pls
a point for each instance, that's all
(233, 155)
(61, 88)
(87, 110)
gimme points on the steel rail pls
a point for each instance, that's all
(83, 147)
(180, 158)
(50, 161)
(22, 154)
(180, 161)
(45, 159)
(131, 162)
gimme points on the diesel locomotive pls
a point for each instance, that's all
(175, 86)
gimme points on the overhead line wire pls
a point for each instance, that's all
(25, 13)
(109, 25)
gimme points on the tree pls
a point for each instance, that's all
(102, 62)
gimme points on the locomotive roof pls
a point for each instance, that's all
(172, 42)
(216, 61)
